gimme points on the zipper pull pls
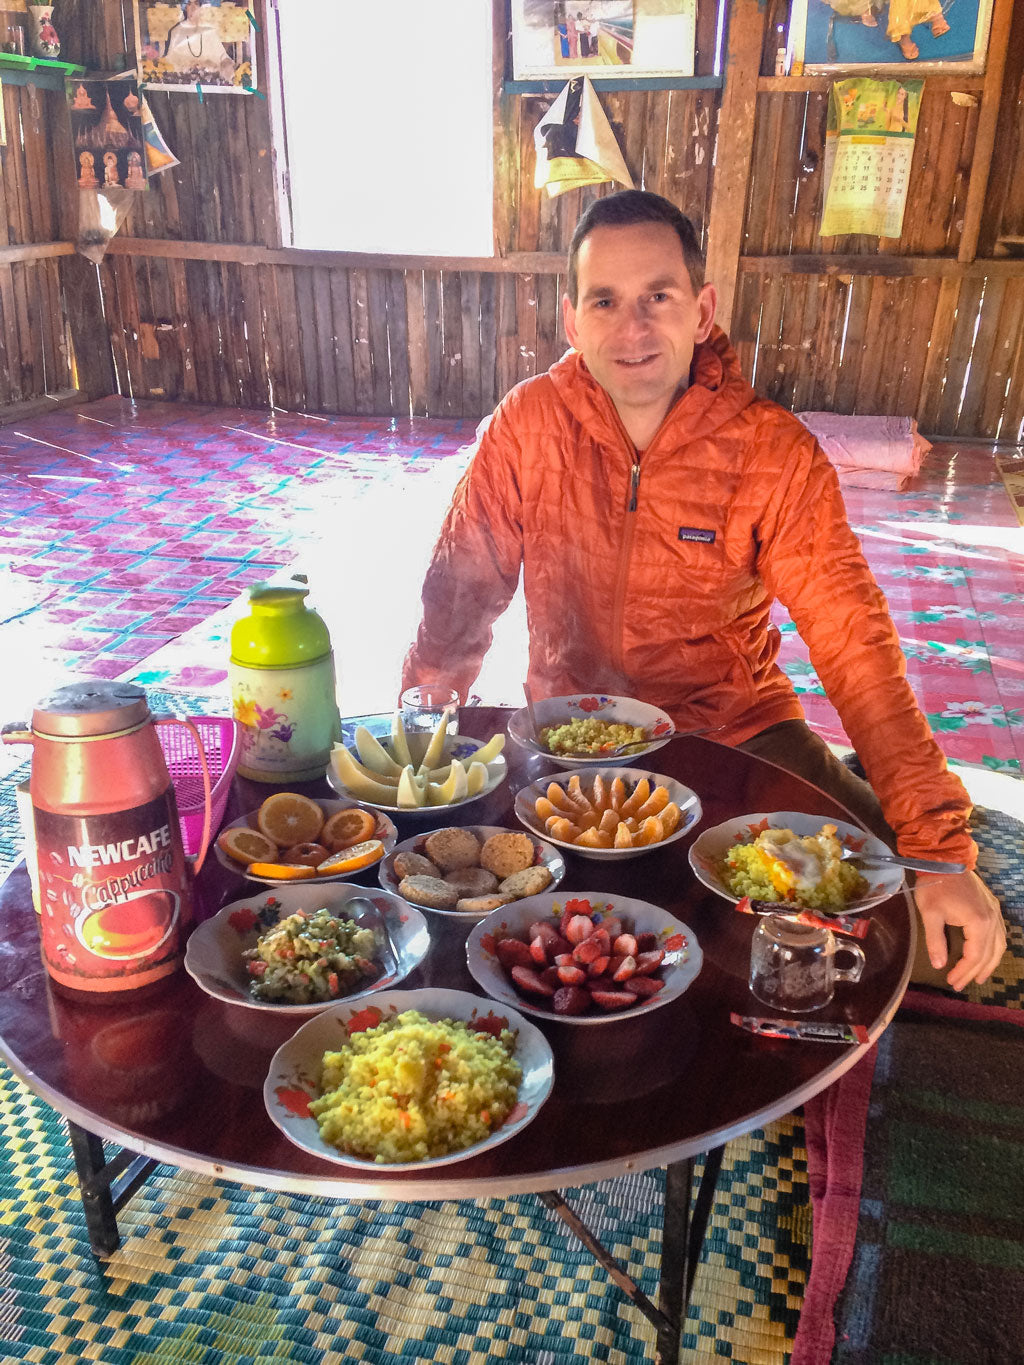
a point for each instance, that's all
(634, 484)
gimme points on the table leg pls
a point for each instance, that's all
(105, 1186)
(682, 1240)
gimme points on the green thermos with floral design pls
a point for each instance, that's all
(283, 687)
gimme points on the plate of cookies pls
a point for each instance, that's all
(466, 872)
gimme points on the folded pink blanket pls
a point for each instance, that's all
(869, 452)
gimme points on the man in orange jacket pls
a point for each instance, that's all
(656, 506)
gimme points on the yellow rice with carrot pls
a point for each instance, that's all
(411, 1089)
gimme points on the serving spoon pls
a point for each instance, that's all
(851, 855)
(362, 911)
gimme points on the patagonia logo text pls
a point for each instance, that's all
(697, 533)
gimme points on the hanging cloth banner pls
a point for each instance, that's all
(159, 156)
(575, 143)
(869, 147)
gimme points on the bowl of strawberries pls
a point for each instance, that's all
(583, 959)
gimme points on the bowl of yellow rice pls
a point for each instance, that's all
(586, 727)
(794, 857)
(409, 1079)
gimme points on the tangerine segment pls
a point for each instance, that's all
(347, 827)
(636, 799)
(609, 821)
(282, 872)
(352, 859)
(593, 838)
(558, 798)
(288, 818)
(623, 836)
(650, 832)
(670, 817)
(655, 803)
(247, 845)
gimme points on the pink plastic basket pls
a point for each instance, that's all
(221, 738)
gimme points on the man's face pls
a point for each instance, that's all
(637, 318)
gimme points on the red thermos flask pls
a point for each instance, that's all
(114, 883)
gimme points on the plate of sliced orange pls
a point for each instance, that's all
(292, 838)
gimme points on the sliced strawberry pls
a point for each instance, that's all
(643, 986)
(612, 926)
(625, 945)
(570, 975)
(563, 959)
(625, 969)
(571, 1000)
(646, 943)
(528, 980)
(545, 929)
(599, 966)
(550, 976)
(613, 1000)
(512, 952)
(579, 928)
(586, 952)
(539, 951)
(646, 963)
(600, 936)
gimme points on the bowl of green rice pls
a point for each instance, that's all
(409, 1079)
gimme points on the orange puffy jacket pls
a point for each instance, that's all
(652, 575)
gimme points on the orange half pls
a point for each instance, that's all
(352, 859)
(247, 845)
(289, 819)
(283, 872)
(353, 825)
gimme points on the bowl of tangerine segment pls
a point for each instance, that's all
(292, 838)
(609, 813)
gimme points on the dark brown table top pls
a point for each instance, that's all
(179, 1076)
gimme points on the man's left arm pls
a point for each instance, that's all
(812, 561)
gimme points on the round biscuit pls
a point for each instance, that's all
(530, 882)
(482, 905)
(472, 881)
(506, 853)
(453, 848)
(410, 864)
(429, 891)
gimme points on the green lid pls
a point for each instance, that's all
(281, 630)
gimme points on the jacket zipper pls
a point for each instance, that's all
(619, 604)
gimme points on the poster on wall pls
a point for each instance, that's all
(890, 36)
(106, 134)
(869, 148)
(602, 39)
(575, 143)
(204, 44)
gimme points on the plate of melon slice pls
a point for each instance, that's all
(411, 773)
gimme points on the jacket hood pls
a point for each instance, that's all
(716, 394)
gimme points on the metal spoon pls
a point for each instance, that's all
(362, 911)
(850, 855)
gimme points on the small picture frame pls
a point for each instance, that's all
(903, 38)
(603, 39)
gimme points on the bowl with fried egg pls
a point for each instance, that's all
(795, 858)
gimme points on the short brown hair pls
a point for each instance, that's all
(625, 208)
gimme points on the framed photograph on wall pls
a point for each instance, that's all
(890, 37)
(602, 39)
(207, 44)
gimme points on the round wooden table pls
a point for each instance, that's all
(178, 1076)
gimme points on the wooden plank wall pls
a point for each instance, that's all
(853, 324)
(35, 351)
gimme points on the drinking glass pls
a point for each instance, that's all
(423, 707)
(793, 965)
